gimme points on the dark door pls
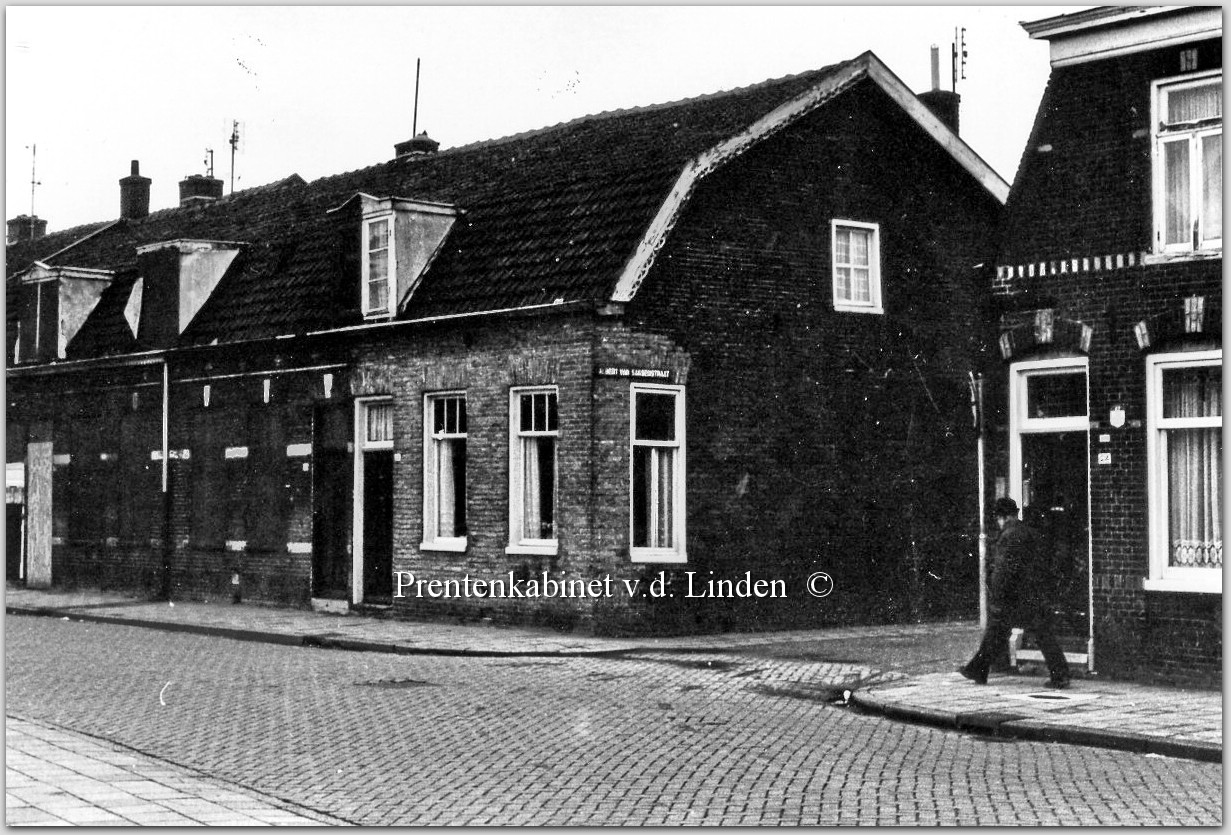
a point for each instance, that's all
(14, 515)
(378, 527)
(332, 473)
(1055, 488)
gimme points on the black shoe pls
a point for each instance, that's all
(965, 672)
(1057, 684)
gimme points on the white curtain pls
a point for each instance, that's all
(1194, 464)
(665, 459)
(532, 495)
(446, 489)
(1211, 195)
(1193, 104)
(1176, 186)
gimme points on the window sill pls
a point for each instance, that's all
(1196, 585)
(652, 555)
(455, 545)
(1154, 258)
(854, 308)
(541, 549)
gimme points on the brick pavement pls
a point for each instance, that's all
(55, 777)
(656, 738)
(1169, 720)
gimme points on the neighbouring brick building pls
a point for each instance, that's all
(1108, 287)
(727, 335)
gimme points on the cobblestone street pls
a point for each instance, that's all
(637, 739)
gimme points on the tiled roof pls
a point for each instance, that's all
(552, 214)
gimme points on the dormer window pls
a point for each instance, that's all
(1188, 164)
(379, 268)
(399, 239)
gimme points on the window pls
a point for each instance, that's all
(856, 267)
(444, 473)
(1188, 164)
(657, 490)
(535, 422)
(378, 266)
(1185, 464)
(378, 424)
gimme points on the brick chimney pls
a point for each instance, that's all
(945, 105)
(134, 194)
(198, 190)
(25, 228)
(421, 144)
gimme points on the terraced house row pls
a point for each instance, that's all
(737, 336)
(727, 334)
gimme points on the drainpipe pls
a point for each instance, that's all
(166, 492)
(976, 406)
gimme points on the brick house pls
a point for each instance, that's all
(1108, 288)
(720, 340)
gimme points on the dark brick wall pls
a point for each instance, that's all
(1090, 196)
(1083, 186)
(823, 440)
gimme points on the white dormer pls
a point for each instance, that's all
(55, 303)
(399, 238)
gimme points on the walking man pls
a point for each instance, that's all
(1019, 595)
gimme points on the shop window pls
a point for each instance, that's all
(1188, 164)
(378, 266)
(1185, 464)
(532, 472)
(657, 490)
(856, 267)
(444, 470)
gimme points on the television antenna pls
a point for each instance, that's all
(959, 55)
(33, 180)
(234, 143)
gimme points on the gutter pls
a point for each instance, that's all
(164, 354)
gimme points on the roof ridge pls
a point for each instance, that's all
(625, 111)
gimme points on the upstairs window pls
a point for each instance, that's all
(856, 267)
(1188, 164)
(378, 267)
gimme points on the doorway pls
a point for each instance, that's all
(332, 471)
(1049, 466)
(372, 563)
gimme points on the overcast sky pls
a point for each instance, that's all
(323, 90)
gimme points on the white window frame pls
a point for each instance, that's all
(1161, 137)
(432, 541)
(362, 445)
(679, 552)
(1162, 576)
(519, 544)
(391, 269)
(873, 305)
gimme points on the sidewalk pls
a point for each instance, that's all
(1154, 720)
(54, 777)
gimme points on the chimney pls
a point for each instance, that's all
(421, 144)
(134, 194)
(25, 228)
(198, 189)
(943, 103)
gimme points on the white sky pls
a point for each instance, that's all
(323, 90)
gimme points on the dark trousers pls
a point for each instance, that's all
(1037, 621)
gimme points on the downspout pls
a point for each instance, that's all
(166, 492)
(976, 405)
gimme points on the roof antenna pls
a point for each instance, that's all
(209, 162)
(234, 142)
(414, 125)
(959, 55)
(33, 182)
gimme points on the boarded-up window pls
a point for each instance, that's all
(209, 479)
(140, 476)
(266, 506)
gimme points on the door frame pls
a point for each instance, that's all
(362, 446)
(1022, 424)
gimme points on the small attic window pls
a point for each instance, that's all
(378, 265)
